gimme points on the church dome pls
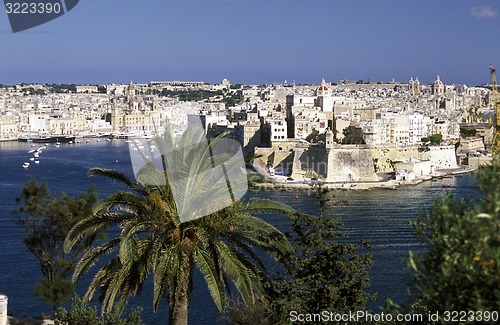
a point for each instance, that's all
(438, 82)
(323, 86)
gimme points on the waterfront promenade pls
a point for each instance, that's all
(383, 184)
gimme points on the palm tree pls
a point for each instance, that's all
(154, 239)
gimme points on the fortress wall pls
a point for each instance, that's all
(443, 157)
(350, 163)
(471, 144)
(273, 157)
(385, 156)
(311, 162)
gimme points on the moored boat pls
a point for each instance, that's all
(48, 139)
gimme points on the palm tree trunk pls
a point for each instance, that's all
(179, 309)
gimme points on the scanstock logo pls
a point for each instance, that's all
(26, 14)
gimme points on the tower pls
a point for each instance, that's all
(495, 102)
(329, 139)
(411, 87)
(414, 87)
(130, 90)
(438, 87)
(324, 97)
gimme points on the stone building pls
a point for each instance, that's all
(438, 88)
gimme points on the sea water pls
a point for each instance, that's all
(381, 217)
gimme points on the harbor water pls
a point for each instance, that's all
(381, 217)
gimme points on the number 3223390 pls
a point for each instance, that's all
(32, 8)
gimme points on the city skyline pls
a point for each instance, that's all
(256, 42)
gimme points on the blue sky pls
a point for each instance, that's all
(257, 41)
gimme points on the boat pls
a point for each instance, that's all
(48, 139)
(445, 185)
(26, 165)
(37, 162)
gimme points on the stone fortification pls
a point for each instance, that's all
(386, 156)
(350, 163)
(310, 162)
(442, 157)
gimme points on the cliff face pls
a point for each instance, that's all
(350, 163)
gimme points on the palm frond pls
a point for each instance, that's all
(92, 256)
(212, 277)
(117, 176)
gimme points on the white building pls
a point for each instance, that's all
(442, 157)
(324, 98)
(86, 89)
(38, 123)
(278, 130)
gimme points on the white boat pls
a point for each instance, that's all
(26, 165)
(32, 159)
(37, 162)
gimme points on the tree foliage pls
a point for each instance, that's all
(46, 220)
(191, 95)
(434, 139)
(461, 269)
(233, 98)
(63, 88)
(325, 273)
(316, 137)
(467, 131)
(353, 135)
(154, 240)
(32, 91)
(82, 314)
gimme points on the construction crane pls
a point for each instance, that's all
(495, 102)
